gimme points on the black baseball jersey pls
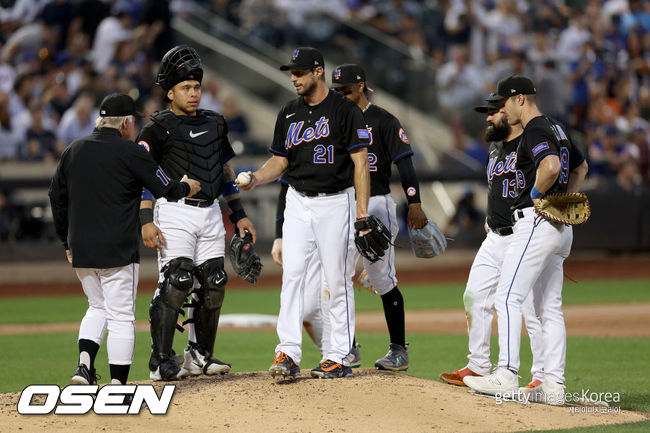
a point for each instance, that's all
(502, 182)
(542, 137)
(95, 197)
(388, 144)
(194, 145)
(317, 141)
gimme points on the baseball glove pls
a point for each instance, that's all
(428, 242)
(243, 257)
(373, 244)
(565, 208)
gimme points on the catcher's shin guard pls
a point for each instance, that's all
(163, 312)
(212, 278)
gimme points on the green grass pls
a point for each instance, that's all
(597, 364)
(417, 297)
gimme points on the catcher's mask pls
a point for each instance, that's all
(181, 63)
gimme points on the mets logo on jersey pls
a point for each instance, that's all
(403, 137)
(540, 148)
(296, 136)
(145, 145)
(294, 56)
(411, 191)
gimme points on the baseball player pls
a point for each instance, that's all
(95, 194)
(388, 145)
(319, 148)
(547, 162)
(484, 274)
(189, 233)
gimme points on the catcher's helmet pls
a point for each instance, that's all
(179, 64)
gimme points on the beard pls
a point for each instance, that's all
(498, 132)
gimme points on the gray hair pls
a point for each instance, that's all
(111, 121)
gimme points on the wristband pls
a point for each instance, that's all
(230, 188)
(146, 216)
(534, 194)
(237, 210)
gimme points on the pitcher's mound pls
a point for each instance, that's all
(367, 401)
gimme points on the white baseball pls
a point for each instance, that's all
(243, 178)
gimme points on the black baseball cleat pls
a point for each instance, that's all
(84, 376)
(165, 369)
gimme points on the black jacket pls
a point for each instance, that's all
(95, 196)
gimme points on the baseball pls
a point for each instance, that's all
(243, 178)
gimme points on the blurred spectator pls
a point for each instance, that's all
(573, 38)
(467, 222)
(90, 13)
(24, 11)
(553, 94)
(157, 15)
(10, 135)
(637, 17)
(40, 144)
(606, 154)
(78, 120)
(628, 179)
(57, 15)
(149, 107)
(459, 84)
(210, 99)
(264, 20)
(111, 30)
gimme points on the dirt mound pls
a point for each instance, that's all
(367, 401)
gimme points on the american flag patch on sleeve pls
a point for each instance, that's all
(540, 148)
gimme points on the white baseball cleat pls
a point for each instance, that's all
(500, 381)
(550, 392)
(198, 362)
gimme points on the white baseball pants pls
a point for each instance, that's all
(479, 307)
(324, 224)
(111, 306)
(537, 250)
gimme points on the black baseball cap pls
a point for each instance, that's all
(118, 105)
(513, 85)
(489, 104)
(304, 58)
(346, 74)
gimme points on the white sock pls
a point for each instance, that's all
(84, 358)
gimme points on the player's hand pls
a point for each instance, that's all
(68, 254)
(535, 201)
(416, 216)
(246, 224)
(248, 186)
(276, 251)
(152, 236)
(195, 186)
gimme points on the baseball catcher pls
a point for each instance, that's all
(565, 208)
(243, 257)
(427, 242)
(373, 244)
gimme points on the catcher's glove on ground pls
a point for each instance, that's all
(243, 257)
(373, 244)
(564, 208)
(428, 242)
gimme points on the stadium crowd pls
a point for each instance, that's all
(589, 58)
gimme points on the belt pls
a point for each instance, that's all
(316, 193)
(517, 215)
(503, 231)
(195, 202)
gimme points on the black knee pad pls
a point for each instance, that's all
(213, 279)
(163, 312)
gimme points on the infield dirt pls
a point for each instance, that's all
(367, 401)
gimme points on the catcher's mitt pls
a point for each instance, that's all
(373, 244)
(243, 257)
(565, 208)
(428, 242)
